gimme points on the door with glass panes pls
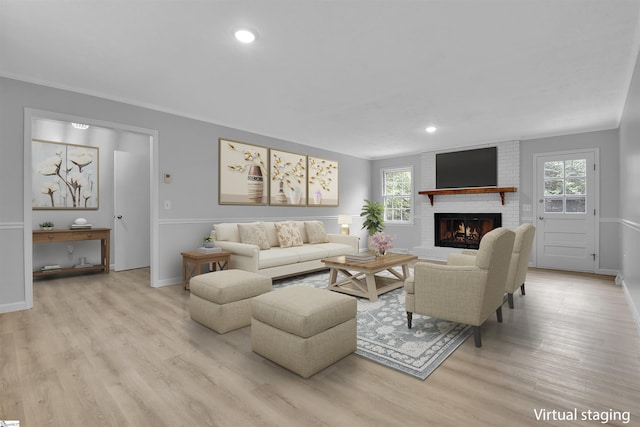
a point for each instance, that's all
(566, 195)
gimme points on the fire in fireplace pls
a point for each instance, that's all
(464, 230)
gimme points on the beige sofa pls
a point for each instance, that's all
(277, 261)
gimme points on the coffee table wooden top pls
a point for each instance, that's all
(380, 263)
(365, 282)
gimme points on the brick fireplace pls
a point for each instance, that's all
(472, 204)
(463, 230)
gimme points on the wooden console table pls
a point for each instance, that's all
(102, 234)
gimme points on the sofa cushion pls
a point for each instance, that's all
(303, 231)
(288, 234)
(310, 252)
(272, 234)
(227, 232)
(276, 257)
(254, 233)
(336, 249)
(316, 232)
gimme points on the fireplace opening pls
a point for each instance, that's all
(464, 230)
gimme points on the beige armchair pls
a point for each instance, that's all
(463, 293)
(519, 263)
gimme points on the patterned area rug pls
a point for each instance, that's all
(383, 335)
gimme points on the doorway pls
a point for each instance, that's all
(566, 217)
(152, 220)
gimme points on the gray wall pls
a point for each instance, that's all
(630, 193)
(187, 148)
(607, 142)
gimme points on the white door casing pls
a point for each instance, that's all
(567, 217)
(131, 211)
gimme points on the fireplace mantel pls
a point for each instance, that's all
(472, 190)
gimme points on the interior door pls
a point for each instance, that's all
(566, 211)
(131, 210)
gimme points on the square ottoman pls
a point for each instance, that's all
(221, 300)
(303, 329)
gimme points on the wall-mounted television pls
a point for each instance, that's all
(468, 168)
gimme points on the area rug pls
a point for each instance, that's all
(383, 335)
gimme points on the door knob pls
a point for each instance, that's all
(119, 217)
(540, 217)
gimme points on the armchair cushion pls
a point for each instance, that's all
(452, 292)
(522, 247)
(463, 293)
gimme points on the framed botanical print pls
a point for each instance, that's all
(288, 177)
(322, 182)
(64, 176)
(242, 172)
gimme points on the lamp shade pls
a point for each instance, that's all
(344, 219)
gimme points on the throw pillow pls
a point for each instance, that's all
(288, 234)
(253, 233)
(316, 232)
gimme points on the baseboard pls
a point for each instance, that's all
(632, 306)
(607, 272)
(16, 306)
(167, 282)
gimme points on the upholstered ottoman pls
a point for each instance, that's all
(221, 300)
(303, 329)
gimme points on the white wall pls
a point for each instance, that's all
(508, 176)
(187, 148)
(630, 194)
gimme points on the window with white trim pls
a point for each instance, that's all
(397, 191)
(565, 186)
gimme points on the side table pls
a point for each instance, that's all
(192, 262)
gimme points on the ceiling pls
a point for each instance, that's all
(359, 77)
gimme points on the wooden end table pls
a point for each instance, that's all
(74, 235)
(365, 282)
(193, 260)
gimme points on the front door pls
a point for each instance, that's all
(566, 215)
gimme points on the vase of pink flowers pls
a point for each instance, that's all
(381, 243)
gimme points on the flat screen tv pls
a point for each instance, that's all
(469, 168)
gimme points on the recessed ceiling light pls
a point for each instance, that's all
(431, 129)
(80, 126)
(245, 36)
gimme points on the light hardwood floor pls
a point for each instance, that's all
(108, 350)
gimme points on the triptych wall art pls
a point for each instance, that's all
(255, 175)
(64, 176)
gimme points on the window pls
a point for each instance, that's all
(397, 195)
(565, 186)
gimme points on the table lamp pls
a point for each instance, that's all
(344, 221)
